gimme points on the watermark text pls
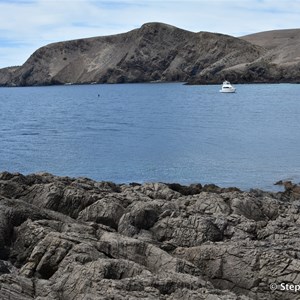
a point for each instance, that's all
(288, 287)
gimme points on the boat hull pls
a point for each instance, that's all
(228, 90)
(227, 87)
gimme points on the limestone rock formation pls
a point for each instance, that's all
(75, 238)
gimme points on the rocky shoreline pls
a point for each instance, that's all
(75, 238)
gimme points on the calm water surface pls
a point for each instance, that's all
(154, 132)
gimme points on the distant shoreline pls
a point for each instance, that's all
(149, 82)
(161, 52)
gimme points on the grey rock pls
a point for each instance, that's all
(68, 238)
(188, 231)
(107, 211)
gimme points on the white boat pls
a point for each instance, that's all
(227, 87)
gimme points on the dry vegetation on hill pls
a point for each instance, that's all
(160, 52)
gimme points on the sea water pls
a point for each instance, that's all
(167, 132)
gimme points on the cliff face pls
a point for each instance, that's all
(157, 52)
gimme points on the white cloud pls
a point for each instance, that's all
(32, 24)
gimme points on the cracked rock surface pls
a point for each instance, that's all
(75, 238)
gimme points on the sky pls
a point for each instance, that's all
(26, 25)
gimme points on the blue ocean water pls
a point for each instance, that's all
(165, 132)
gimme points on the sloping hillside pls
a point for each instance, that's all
(154, 52)
(283, 45)
(161, 52)
(281, 62)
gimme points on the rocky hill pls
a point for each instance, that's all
(282, 59)
(75, 238)
(154, 52)
(283, 45)
(160, 52)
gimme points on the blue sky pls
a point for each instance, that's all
(26, 25)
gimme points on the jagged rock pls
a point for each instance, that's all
(70, 238)
(140, 216)
(246, 267)
(189, 232)
(155, 191)
(193, 189)
(107, 211)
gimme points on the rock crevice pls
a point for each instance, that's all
(75, 238)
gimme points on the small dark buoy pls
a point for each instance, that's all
(98, 95)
